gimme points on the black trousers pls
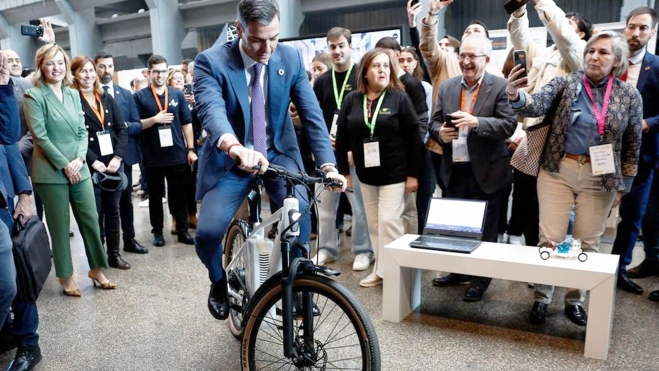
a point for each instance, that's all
(177, 177)
(126, 207)
(426, 189)
(525, 208)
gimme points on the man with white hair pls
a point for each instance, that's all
(476, 162)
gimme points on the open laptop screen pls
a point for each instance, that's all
(455, 217)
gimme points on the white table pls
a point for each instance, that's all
(402, 279)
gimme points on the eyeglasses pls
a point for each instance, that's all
(159, 72)
(467, 57)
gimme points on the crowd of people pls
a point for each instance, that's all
(393, 126)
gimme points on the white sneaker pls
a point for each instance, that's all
(164, 200)
(371, 280)
(323, 257)
(500, 238)
(144, 203)
(515, 240)
(362, 261)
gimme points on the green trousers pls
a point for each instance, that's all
(56, 199)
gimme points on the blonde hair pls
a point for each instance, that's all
(45, 54)
(78, 63)
(171, 74)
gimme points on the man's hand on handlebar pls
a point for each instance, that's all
(247, 159)
(332, 173)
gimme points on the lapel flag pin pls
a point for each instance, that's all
(280, 72)
(647, 68)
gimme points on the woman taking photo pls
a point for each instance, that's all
(591, 155)
(53, 114)
(107, 135)
(379, 125)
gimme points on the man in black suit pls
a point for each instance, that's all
(105, 70)
(476, 163)
(643, 72)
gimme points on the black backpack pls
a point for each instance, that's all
(31, 257)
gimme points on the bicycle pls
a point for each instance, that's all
(293, 305)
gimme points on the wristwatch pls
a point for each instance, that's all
(191, 150)
(82, 160)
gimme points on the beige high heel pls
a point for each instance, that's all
(73, 293)
(104, 286)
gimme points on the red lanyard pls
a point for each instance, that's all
(155, 95)
(463, 100)
(99, 114)
(600, 115)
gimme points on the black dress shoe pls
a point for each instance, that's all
(451, 280)
(26, 358)
(218, 299)
(474, 293)
(185, 238)
(626, 284)
(538, 313)
(158, 240)
(116, 261)
(576, 314)
(646, 269)
(134, 247)
(654, 296)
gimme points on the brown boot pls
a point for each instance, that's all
(173, 230)
(192, 221)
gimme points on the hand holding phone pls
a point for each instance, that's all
(448, 121)
(513, 5)
(520, 59)
(32, 31)
(187, 89)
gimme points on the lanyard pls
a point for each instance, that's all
(155, 95)
(99, 114)
(463, 100)
(339, 96)
(600, 115)
(371, 125)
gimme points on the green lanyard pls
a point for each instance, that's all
(371, 125)
(339, 97)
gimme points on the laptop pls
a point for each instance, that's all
(453, 225)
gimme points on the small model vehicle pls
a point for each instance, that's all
(567, 249)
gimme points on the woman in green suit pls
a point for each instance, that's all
(54, 116)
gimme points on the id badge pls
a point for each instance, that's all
(371, 153)
(165, 134)
(104, 142)
(601, 159)
(334, 126)
(460, 149)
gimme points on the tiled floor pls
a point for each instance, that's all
(157, 320)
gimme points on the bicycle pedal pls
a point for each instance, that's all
(237, 308)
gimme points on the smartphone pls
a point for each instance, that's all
(520, 58)
(449, 121)
(32, 31)
(413, 3)
(187, 89)
(513, 5)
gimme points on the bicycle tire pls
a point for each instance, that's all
(235, 237)
(346, 313)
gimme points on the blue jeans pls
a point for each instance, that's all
(650, 223)
(220, 203)
(7, 272)
(327, 208)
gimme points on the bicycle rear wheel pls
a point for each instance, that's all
(235, 237)
(344, 337)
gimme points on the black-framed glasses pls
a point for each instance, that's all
(469, 57)
(159, 72)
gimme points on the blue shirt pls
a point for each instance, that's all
(582, 131)
(153, 154)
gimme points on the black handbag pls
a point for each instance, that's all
(31, 257)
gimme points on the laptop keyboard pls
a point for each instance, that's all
(449, 242)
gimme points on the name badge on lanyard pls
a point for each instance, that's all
(105, 142)
(334, 127)
(165, 135)
(601, 157)
(338, 97)
(371, 144)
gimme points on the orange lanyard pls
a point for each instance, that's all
(99, 114)
(463, 100)
(155, 95)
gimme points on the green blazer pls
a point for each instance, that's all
(58, 131)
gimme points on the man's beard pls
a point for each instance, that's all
(106, 79)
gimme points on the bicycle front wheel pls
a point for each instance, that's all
(235, 238)
(344, 337)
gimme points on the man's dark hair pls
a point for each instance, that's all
(257, 11)
(487, 32)
(583, 24)
(102, 55)
(155, 59)
(336, 32)
(132, 84)
(186, 61)
(643, 10)
(388, 42)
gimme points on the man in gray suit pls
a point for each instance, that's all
(471, 122)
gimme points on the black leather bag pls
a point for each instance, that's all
(31, 257)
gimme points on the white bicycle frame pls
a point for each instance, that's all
(261, 258)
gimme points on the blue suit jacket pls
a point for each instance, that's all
(131, 115)
(13, 175)
(648, 85)
(221, 93)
